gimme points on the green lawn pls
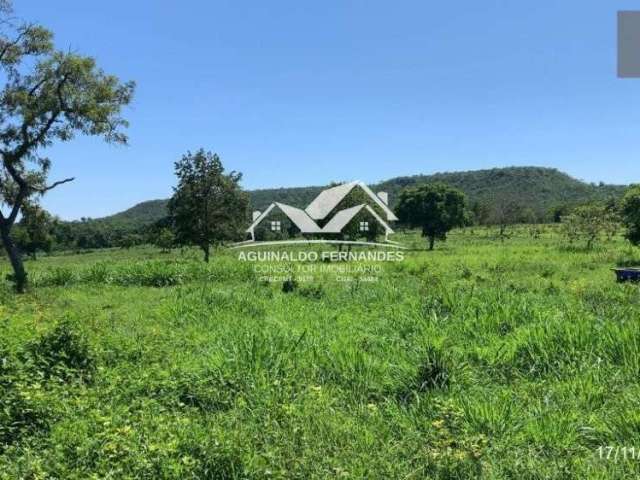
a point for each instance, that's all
(479, 359)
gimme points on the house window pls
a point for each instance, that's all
(275, 226)
(364, 226)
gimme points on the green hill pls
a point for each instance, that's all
(537, 187)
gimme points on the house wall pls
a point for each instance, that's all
(352, 230)
(357, 196)
(288, 229)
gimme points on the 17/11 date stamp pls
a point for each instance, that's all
(615, 453)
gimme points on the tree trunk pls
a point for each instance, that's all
(205, 248)
(20, 275)
(432, 241)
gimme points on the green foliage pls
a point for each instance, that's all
(130, 240)
(630, 211)
(589, 222)
(21, 412)
(49, 96)
(63, 353)
(164, 239)
(434, 208)
(208, 206)
(466, 360)
(548, 193)
(34, 232)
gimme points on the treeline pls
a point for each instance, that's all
(545, 193)
(499, 206)
(51, 234)
(40, 232)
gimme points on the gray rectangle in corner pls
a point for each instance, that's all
(629, 44)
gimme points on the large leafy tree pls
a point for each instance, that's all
(630, 211)
(208, 206)
(434, 208)
(48, 96)
(34, 231)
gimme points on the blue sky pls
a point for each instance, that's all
(295, 93)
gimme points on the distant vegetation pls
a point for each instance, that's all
(500, 196)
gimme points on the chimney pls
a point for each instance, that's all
(256, 214)
(384, 196)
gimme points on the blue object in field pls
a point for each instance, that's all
(627, 274)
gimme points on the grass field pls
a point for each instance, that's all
(480, 359)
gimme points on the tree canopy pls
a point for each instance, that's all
(48, 96)
(434, 208)
(630, 210)
(208, 206)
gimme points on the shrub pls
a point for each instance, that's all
(630, 209)
(312, 291)
(19, 413)
(57, 277)
(207, 391)
(63, 352)
(149, 274)
(289, 285)
(98, 273)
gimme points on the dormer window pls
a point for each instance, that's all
(275, 226)
(364, 226)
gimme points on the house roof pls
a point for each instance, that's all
(343, 217)
(297, 216)
(300, 218)
(328, 199)
(260, 218)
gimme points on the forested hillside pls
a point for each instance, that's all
(538, 188)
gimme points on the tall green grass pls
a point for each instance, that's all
(477, 360)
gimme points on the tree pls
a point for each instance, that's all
(34, 231)
(587, 222)
(434, 208)
(130, 240)
(630, 211)
(506, 210)
(480, 212)
(558, 211)
(164, 239)
(208, 206)
(48, 96)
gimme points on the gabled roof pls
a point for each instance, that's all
(328, 199)
(260, 218)
(343, 217)
(297, 216)
(300, 218)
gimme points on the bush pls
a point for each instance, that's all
(98, 273)
(57, 277)
(19, 413)
(315, 292)
(63, 353)
(149, 274)
(289, 285)
(630, 209)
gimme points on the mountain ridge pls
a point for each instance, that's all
(538, 187)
